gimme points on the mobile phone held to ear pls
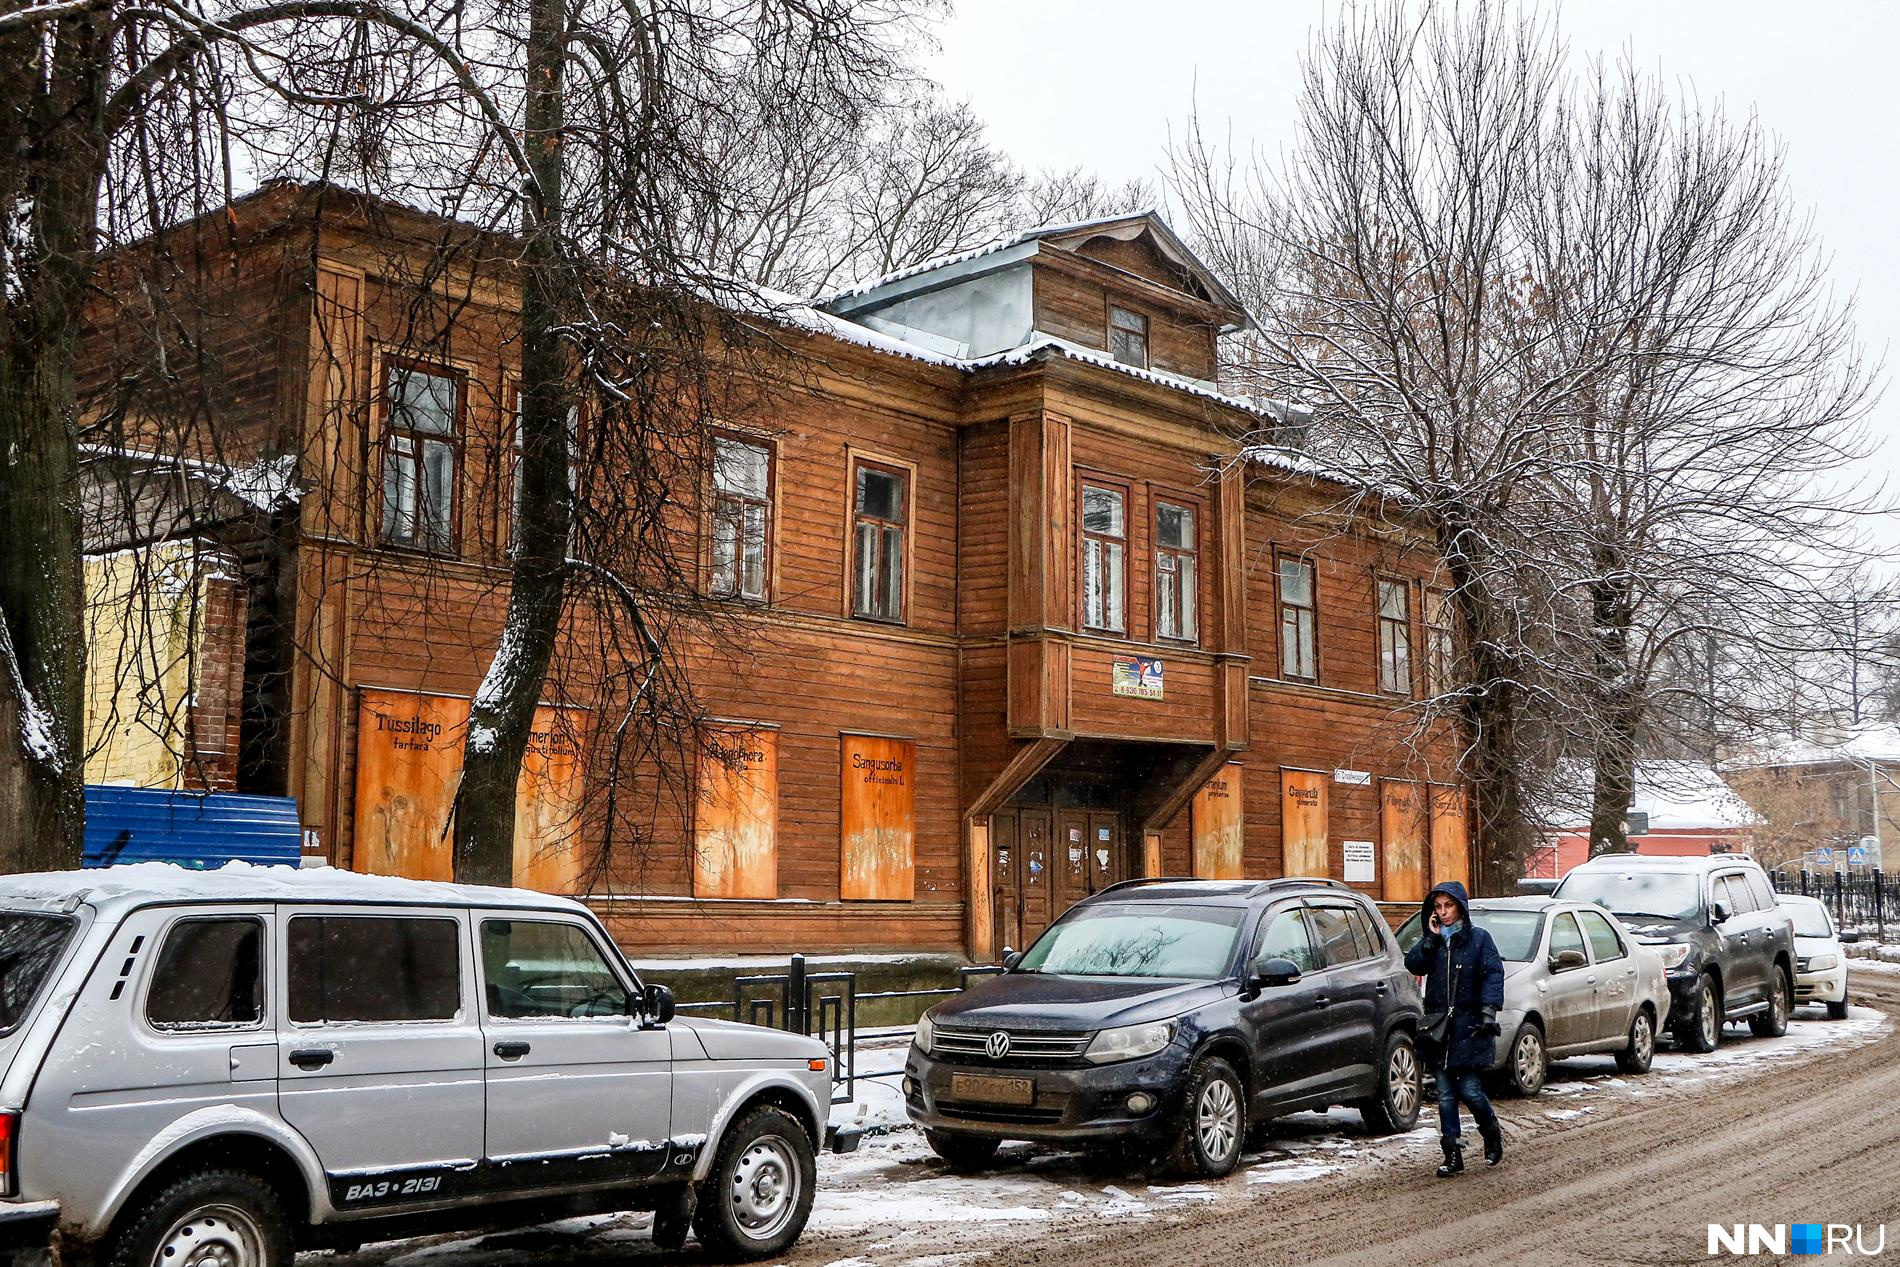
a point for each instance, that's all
(1436, 926)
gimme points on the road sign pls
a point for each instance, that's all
(1856, 856)
(1824, 855)
(1636, 822)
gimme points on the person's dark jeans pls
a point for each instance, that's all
(1467, 1086)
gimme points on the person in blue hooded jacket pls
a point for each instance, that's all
(1464, 975)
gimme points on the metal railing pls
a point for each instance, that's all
(823, 1005)
(1855, 900)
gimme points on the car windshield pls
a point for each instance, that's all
(1809, 921)
(1130, 940)
(1657, 894)
(1515, 932)
(29, 946)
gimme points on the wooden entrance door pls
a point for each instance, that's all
(1090, 856)
(1021, 865)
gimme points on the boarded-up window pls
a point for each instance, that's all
(1303, 823)
(735, 850)
(1220, 827)
(1451, 838)
(1403, 826)
(878, 819)
(408, 762)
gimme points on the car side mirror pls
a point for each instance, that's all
(1565, 960)
(1848, 937)
(1011, 958)
(656, 1006)
(1271, 972)
(1722, 912)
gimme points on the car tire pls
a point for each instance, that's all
(1213, 1121)
(1701, 1027)
(1774, 1022)
(1394, 1107)
(965, 1154)
(758, 1196)
(233, 1209)
(1837, 1010)
(1527, 1063)
(1640, 1053)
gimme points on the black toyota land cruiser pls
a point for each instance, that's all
(1726, 948)
(1171, 1015)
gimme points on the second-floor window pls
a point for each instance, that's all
(1438, 647)
(1299, 645)
(1128, 337)
(420, 447)
(1395, 638)
(880, 513)
(1176, 575)
(742, 518)
(1104, 558)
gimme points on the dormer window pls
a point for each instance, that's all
(1128, 337)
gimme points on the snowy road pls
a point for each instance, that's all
(1603, 1167)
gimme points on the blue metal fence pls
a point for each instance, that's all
(190, 829)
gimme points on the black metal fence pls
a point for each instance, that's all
(821, 1004)
(1861, 899)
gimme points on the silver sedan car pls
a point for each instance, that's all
(1575, 983)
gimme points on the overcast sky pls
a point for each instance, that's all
(1062, 82)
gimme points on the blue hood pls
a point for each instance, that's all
(1453, 890)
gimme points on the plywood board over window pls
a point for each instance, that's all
(408, 763)
(878, 819)
(548, 803)
(1404, 830)
(735, 850)
(1303, 822)
(1220, 827)
(1451, 837)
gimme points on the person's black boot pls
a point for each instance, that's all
(1454, 1158)
(1493, 1145)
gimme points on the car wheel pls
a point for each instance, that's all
(1528, 1062)
(1774, 1022)
(964, 1154)
(1641, 1051)
(758, 1196)
(1837, 1010)
(1213, 1121)
(1395, 1106)
(1701, 1027)
(230, 1218)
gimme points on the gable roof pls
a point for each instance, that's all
(1126, 226)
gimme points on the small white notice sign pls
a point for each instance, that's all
(1358, 861)
(1358, 778)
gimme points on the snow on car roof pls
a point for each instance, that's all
(147, 883)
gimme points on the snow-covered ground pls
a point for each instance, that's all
(918, 1214)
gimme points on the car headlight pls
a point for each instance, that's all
(1674, 954)
(926, 1033)
(1129, 1042)
(1821, 963)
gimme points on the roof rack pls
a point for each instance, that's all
(1138, 881)
(1286, 881)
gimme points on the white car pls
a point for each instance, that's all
(1820, 970)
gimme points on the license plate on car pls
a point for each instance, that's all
(990, 1089)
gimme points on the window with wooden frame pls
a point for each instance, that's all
(880, 519)
(1395, 636)
(1104, 564)
(1177, 571)
(1128, 337)
(422, 449)
(742, 475)
(1438, 643)
(1299, 620)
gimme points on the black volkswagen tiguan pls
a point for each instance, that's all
(1171, 1015)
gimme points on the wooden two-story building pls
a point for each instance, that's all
(1005, 616)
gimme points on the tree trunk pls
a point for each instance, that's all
(502, 714)
(53, 135)
(1614, 729)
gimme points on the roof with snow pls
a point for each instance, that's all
(1869, 741)
(1677, 796)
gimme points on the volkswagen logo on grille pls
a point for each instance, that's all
(998, 1045)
